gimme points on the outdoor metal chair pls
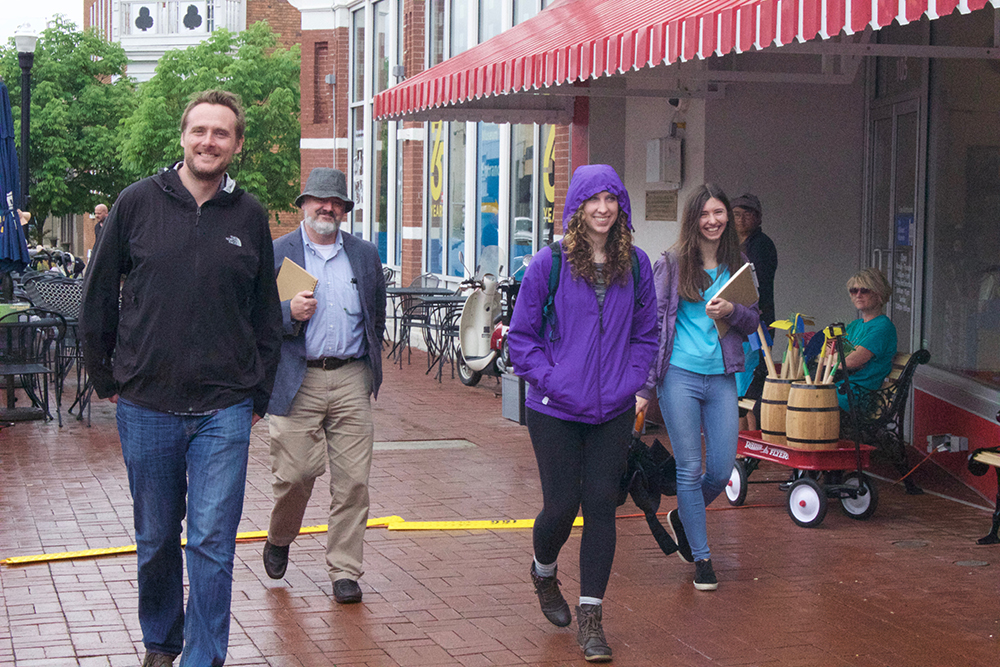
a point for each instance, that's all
(415, 314)
(30, 347)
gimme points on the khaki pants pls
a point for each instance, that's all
(330, 419)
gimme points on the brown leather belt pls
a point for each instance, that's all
(328, 363)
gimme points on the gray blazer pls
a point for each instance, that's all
(367, 267)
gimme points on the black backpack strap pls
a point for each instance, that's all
(635, 279)
(549, 309)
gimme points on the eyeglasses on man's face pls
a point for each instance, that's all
(859, 290)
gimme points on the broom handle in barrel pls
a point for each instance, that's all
(820, 363)
(771, 372)
(831, 363)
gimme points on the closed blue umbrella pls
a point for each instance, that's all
(13, 248)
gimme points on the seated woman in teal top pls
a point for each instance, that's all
(873, 335)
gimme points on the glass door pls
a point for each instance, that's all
(895, 209)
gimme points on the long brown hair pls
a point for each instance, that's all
(617, 250)
(692, 280)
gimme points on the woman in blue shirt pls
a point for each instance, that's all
(694, 371)
(872, 336)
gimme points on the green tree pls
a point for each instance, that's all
(264, 76)
(79, 96)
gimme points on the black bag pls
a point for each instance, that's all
(649, 473)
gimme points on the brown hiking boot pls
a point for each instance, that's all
(591, 635)
(553, 603)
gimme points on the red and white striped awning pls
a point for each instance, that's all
(575, 40)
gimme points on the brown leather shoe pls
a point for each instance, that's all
(346, 591)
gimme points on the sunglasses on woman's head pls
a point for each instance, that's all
(859, 290)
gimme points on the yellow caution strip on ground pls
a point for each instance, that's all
(114, 551)
(493, 524)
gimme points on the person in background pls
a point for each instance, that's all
(760, 250)
(583, 356)
(693, 374)
(100, 213)
(189, 357)
(331, 366)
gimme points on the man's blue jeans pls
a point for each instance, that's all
(692, 403)
(198, 464)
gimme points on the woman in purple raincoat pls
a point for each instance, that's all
(583, 359)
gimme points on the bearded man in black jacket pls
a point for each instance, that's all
(189, 358)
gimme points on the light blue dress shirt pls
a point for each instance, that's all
(337, 328)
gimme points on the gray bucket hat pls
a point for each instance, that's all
(323, 183)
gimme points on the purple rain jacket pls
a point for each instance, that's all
(601, 357)
(742, 322)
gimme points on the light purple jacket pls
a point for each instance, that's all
(742, 322)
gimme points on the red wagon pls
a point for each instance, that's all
(818, 475)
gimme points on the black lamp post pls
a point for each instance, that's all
(25, 40)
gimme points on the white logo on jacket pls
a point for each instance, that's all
(235, 241)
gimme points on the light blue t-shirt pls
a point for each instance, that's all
(696, 341)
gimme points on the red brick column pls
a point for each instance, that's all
(413, 150)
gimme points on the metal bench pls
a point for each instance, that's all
(980, 462)
(881, 413)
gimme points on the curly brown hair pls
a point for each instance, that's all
(617, 250)
(692, 280)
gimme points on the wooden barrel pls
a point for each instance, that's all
(772, 410)
(813, 418)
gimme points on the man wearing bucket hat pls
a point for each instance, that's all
(331, 365)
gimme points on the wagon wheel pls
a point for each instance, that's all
(806, 502)
(862, 507)
(736, 490)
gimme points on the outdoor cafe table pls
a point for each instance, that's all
(403, 298)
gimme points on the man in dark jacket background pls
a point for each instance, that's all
(760, 250)
(331, 366)
(189, 358)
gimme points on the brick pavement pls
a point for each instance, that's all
(889, 591)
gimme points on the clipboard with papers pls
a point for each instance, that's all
(293, 279)
(741, 288)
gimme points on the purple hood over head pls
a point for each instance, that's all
(589, 180)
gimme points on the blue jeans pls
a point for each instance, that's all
(198, 464)
(692, 403)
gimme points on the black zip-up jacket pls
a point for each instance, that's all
(200, 322)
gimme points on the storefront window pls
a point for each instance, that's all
(435, 217)
(490, 24)
(380, 188)
(522, 201)
(456, 199)
(358, 168)
(436, 18)
(962, 274)
(459, 26)
(358, 61)
(381, 60)
(487, 187)
(547, 185)
(524, 10)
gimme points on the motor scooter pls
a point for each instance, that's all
(482, 328)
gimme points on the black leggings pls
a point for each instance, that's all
(577, 463)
